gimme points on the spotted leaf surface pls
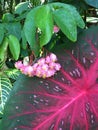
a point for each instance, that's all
(66, 101)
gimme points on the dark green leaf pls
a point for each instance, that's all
(66, 22)
(14, 46)
(77, 17)
(44, 22)
(8, 17)
(30, 31)
(69, 15)
(72, 10)
(36, 19)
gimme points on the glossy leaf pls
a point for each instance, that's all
(14, 46)
(72, 12)
(35, 20)
(30, 31)
(38, 26)
(79, 21)
(66, 101)
(44, 22)
(67, 18)
(5, 88)
(66, 23)
(93, 3)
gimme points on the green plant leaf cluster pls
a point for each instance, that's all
(34, 26)
(35, 20)
(64, 16)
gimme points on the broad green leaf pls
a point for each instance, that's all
(76, 15)
(3, 49)
(5, 88)
(93, 3)
(13, 28)
(21, 7)
(30, 31)
(8, 17)
(72, 12)
(1, 33)
(44, 22)
(14, 46)
(66, 22)
(35, 20)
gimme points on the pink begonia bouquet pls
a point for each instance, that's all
(45, 67)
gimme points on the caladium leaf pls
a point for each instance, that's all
(66, 101)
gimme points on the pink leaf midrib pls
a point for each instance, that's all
(60, 110)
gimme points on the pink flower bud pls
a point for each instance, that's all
(50, 73)
(22, 69)
(35, 66)
(38, 72)
(53, 57)
(41, 61)
(18, 64)
(45, 67)
(56, 29)
(28, 70)
(48, 60)
(57, 66)
(52, 65)
(44, 74)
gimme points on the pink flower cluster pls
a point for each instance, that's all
(44, 67)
